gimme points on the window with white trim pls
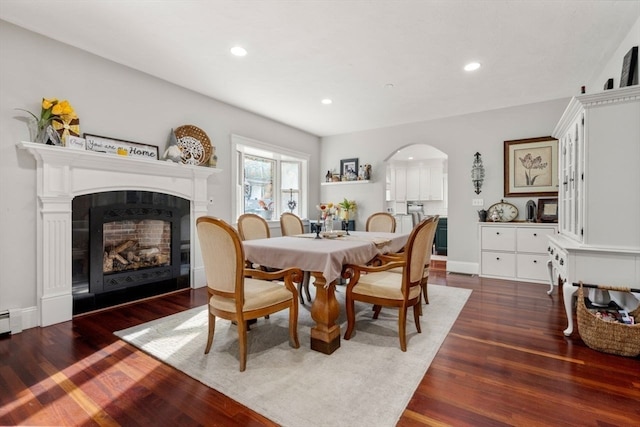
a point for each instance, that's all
(269, 180)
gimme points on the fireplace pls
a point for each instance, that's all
(64, 175)
(127, 245)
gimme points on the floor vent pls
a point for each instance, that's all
(5, 323)
(10, 321)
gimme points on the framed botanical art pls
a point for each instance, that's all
(531, 167)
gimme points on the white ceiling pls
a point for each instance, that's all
(303, 51)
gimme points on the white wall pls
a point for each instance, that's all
(459, 137)
(613, 68)
(110, 100)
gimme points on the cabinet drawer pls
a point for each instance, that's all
(532, 267)
(534, 239)
(499, 238)
(498, 264)
(559, 259)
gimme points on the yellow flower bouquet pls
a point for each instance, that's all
(57, 120)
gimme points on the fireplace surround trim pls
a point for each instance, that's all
(63, 174)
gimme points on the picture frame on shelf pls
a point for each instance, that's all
(629, 76)
(120, 147)
(548, 210)
(349, 169)
(531, 167)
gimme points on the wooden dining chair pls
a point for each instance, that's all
(240, 294)
(252, 226)
(379, 286)
(290, 225)
(427, 262)
(381, 221)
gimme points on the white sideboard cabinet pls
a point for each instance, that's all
(515, 250)
(599, 194)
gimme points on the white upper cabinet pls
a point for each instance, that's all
(417, 182)
(599, 155)
(400, 183)
(413, 183)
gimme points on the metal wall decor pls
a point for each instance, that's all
(477, 173)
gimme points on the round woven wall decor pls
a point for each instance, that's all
(194, 144)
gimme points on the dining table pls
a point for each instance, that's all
(324, 258)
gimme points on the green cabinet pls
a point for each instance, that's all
(440, 240)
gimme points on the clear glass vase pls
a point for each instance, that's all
(328, 224)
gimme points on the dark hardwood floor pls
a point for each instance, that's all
(505, 362)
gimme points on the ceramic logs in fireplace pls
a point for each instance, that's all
(128, 241)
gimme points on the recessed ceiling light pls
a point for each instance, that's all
(326, 101)
(472, 66)
(238, 51)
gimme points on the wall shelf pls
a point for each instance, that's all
(361, 181)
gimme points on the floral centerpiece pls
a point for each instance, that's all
(57, 120)
(327, 211)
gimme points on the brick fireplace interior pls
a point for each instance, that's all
(128, 245)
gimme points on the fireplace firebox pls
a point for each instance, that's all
(128, 245)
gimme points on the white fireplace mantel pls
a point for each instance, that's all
(63, 174)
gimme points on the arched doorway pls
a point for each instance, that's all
(416, 186)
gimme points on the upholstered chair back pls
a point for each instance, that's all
(382, 222)
(252, 226)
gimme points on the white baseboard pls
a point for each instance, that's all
(462, 267)
(199, 278)
(20, 319)
(30, 318)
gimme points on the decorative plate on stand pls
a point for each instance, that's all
(194, 144)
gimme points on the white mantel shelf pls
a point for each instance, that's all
(360, 181)
(100, 161)
(64, 173)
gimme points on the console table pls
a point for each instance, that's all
(572, 262)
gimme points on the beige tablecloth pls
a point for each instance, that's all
(322, 255)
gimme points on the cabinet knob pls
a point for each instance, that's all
(535, 234)
(535, 261)
(497, 258)
(497, 232)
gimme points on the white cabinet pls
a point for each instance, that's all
(400, 181)
(404, 224)
(599, 195)
(515, 250)
(414, 185)
(599, 150)
(421, 182)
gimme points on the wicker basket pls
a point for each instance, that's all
(608, 337)
(195, 145)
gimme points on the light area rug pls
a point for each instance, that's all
(368, 381)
